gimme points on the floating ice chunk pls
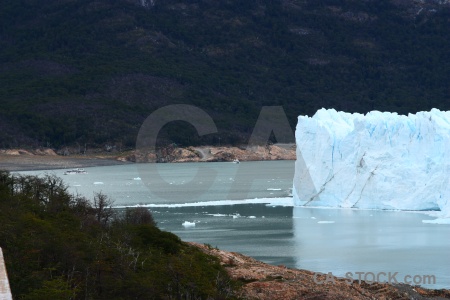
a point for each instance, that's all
(137, 178)
(273, 189)
(325, 222)
(98, 183)
(437, 221)
(251, 217)
(188, 224)
(380, 160)
(272, 202)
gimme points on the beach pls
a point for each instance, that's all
(42, 162)
(48, 159)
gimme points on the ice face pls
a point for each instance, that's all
(379, 160)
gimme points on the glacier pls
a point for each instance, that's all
(380, 160)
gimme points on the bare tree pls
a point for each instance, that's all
(139, 216)
(103, 208)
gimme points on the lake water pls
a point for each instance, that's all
(183, 182)
(253, 214)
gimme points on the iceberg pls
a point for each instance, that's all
(188, 224)
(379, 160)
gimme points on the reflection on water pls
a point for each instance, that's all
(322, 240)
(371, 241)
(263, 232)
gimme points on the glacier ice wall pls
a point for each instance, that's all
(378, 160)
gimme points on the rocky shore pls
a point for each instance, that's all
(46, 159)
(266, 282)
(213, 154)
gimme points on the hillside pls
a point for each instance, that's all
(60, 246)
(87, 73)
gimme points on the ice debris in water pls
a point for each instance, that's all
(188, 224)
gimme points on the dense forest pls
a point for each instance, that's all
(83, 72)
(61, 246)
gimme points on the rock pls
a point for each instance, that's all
(39, 151)
(211, 154)
(138, 157)
(188, 153)
(16, 152)
(45, 151)
(267, 282)
(11, 152)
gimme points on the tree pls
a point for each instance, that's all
(139, 216)
(103, 208)
(62, 246)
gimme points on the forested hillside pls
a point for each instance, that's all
(76, 72)
(60, 246)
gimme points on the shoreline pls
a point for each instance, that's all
(259, 280)
(37, 163)
(266, 282)
(46, 159)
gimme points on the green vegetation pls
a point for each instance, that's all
(59, 246)
(84, 72)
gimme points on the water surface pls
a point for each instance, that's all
(323, 240)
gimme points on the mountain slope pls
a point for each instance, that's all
(90, 72)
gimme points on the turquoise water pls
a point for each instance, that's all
(183, 182)
(322, 240)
